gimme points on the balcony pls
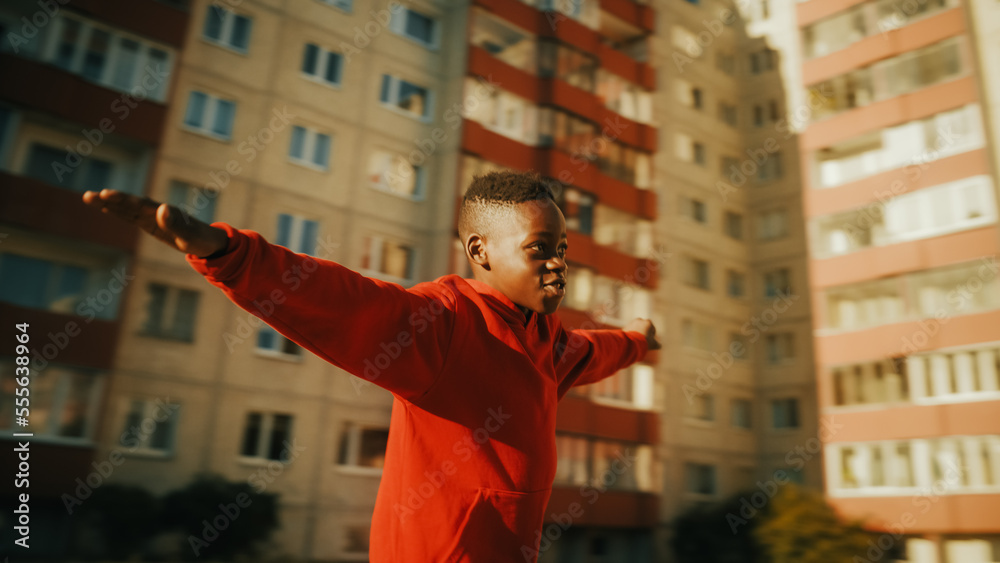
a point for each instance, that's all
(66, 96)
(37, 206)
(480, 141)
(64, 338)
(557, 92)
(150, 18)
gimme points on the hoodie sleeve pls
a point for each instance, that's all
(393, 337)
(583, 357)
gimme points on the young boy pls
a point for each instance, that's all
(476, 366)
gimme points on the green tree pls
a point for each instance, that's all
(787, 524)
(799, 526)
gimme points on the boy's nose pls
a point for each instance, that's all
(557, 264)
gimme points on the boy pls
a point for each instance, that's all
(475, 366)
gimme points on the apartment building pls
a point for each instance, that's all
(900, 194)
(84, 101)
(348, 130)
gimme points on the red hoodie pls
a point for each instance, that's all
(471, 453)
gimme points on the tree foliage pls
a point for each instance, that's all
(787, 524)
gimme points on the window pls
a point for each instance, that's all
(727, 114)
(703, 407)
(697, 273)
(694, 209)
(582, 460)
(267, 436)
(388, 258)
(309, 148)
(699, 153)
(762, 61)
(774, 112)
(406, 96)
(765, 9)
(735, 284)
(150, 427)
(780, 347)
(50, 165)
(272, 343)
(64, 402)
(739, 413)
(729, 166)
(344, 5)
(42, 284)
(111, 58)
(737, 345)
(8, 123)
(395, 174)
(734, 225)
(758, 116)
(699, 479)
(210, 115)
(170, 312)
(772, 224)
(362, 447)
(197, 202)
(297, 234)
(785, 413)
(322, 65)
(725, 62)
(696, 98)
(576, 67)
(419, 27)
(777, 283)
(227, 28)
(356, 539)
(770, 169)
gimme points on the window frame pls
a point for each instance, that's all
(398, 24)
(226, 29)
(309, 146)
(208, 115)
(323, 56)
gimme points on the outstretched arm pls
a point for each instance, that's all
(393, 337)
(588, 356)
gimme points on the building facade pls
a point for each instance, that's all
(348, 130)
(899, 182)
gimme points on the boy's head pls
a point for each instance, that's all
(515, 238)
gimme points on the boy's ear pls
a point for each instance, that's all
(475, 247)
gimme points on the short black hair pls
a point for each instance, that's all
(492, 195)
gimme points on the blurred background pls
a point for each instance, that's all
(801, 195)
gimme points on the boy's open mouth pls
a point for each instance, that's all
(556, 287)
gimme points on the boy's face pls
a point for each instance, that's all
(527, 257)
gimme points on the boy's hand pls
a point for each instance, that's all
(163, 221)
(646, 328)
